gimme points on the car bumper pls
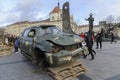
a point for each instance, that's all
(64, 56)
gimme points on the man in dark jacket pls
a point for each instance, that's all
(112, 38)
(98, 40)
(89, 43)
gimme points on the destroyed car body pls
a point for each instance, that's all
(52, 49)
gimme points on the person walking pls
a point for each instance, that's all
(82, 35)
(99, 40)
(89, 44)
(112, 38)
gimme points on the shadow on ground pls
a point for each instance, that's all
(84, 77)
(116, 77)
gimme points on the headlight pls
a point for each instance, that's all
(56, 48)
(83, 43)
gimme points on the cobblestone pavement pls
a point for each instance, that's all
(105, 66)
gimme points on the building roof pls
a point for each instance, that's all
(83, 26)
(56, 9)
(46, 20)
(22, 22)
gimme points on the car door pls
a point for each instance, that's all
(31, 35)
(24, 40)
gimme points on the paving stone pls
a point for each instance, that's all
(105, 66)
(116, 77)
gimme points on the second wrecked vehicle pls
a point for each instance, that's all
(53, 50)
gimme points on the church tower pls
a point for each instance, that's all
(56, 13)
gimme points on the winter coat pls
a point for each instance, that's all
(16, 42)
(98, 37)
(89, 40)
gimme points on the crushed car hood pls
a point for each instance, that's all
(62, 39)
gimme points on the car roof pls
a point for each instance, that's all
(40, 26)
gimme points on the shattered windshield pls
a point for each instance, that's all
(51, 30)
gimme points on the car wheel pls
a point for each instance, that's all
(42, 65)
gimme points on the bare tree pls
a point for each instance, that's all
(118, 19)
(110, 20)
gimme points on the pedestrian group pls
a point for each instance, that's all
(89, 39)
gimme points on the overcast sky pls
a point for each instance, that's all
(12, 11)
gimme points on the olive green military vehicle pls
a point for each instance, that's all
(53, 50)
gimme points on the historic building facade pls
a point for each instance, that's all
(55, 18)
(17, 28)
(1, 34)
(85, 28)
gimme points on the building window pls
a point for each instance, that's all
(53, 18)
(60, 15)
